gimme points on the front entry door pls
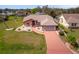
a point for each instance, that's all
(33, 23)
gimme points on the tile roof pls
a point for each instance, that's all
(43, 19)
(72, 18)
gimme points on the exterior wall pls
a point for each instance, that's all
(77, 25)
(70, 25)
(28, 22)
(49, 28)
(66, 24)
(63, 21)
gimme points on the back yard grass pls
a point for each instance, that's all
(12, 42)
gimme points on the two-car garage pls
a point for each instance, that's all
(49, 28)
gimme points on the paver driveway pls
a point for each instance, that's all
(54, 44)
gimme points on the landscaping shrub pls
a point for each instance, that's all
(61, 26)
(19, 29)
(29, 29)
(66, 30)
(72, 40)
(61, 33)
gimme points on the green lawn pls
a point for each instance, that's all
(72, 35)
(13, 22)
(12, 42)
(21, 42)
(75, 32)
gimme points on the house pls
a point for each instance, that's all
(69, 20)
(21, 13)
(42, 22)
(7, 13)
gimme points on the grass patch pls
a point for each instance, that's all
(13, 22)
(21, 42)
(70, 35)
(72, 38)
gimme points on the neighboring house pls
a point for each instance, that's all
(21, 13)
(44, 22)
(69, 20)
(7, 13)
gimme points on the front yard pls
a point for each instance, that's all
(21, 42)
(12, 42)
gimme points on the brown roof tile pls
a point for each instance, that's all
(72, 18)
(43, 19)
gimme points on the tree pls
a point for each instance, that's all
(53, 13)
(28, 11)
(39, 9)
(4, 21)
(34, 10)
(46, 9)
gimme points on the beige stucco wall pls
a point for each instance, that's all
(63, 21)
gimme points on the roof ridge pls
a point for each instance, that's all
(44, 20)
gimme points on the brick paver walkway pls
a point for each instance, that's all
(54, 44)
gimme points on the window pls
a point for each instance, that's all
(74, 24)
(28, 24)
